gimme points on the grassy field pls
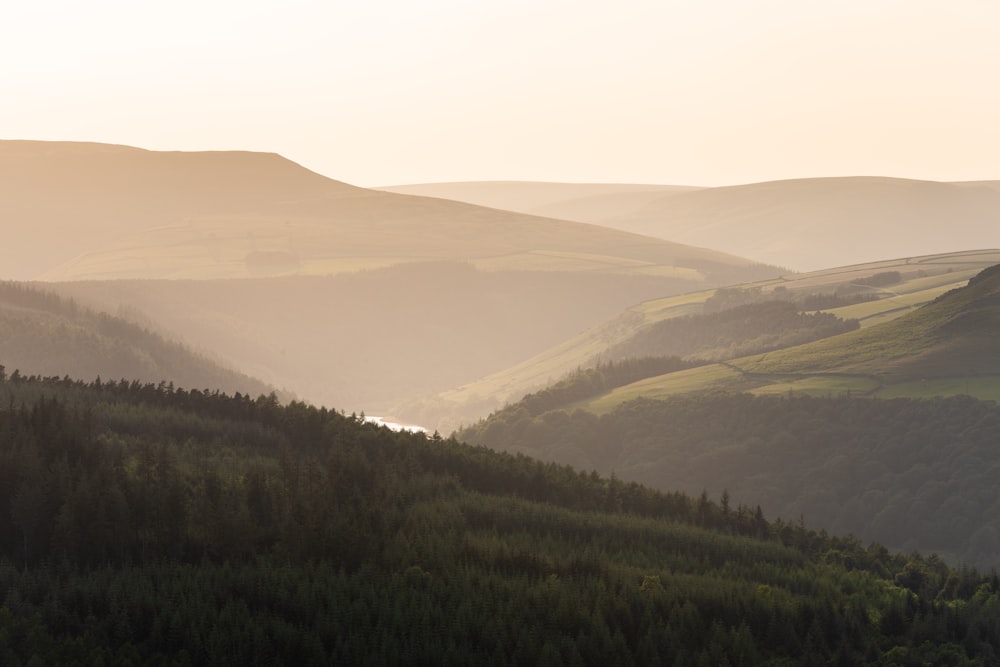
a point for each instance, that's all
(716, 376)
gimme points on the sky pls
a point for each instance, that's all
(381, 92)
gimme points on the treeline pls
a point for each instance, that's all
(738, 331)
(142, 524)
(726, 298)
(913, 474)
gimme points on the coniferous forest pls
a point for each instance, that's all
(145, 524)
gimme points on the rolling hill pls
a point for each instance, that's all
(352, 296)
(94, 211)
(921, 279)
(584, 202)
(915, 470)
(149, 525)
(804, 224)
(947, 347)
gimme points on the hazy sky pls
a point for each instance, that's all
(378, 92)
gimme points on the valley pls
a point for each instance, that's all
(598, 334)
(197, 363)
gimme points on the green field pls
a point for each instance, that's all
(716, 376)
(821, 386)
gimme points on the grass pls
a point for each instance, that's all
(821, 386)
(869, 312)
(715, 376)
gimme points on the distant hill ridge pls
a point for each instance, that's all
(804, 224)
(95, 211)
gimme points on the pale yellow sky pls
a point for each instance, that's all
(378, 92)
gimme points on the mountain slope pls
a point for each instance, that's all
(910, 472)
(809, 224)
(953, 337)
(98, 211)
(946, 347)
(310, 537)
(42, 334)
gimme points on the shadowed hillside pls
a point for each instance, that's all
(369, 340)
(149, 525)
(43, 334)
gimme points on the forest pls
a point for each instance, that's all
(147, 524)
(911, 473)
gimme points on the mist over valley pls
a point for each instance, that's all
(521, 333)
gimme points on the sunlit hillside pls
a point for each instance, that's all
(921, 279)
(876, 432)
(947, 347)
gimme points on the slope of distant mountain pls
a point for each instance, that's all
(920, 280)
(43, 334)
(584, 202)
(75, 211)
(803, 224)
(810, 224)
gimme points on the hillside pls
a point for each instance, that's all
(43, 334)
(850, 464)
(910, 473)
(130, 536)
(917, 280)
(95, 211)
(395, 297)
(803, 224)
(946, 347)
(370, 340)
